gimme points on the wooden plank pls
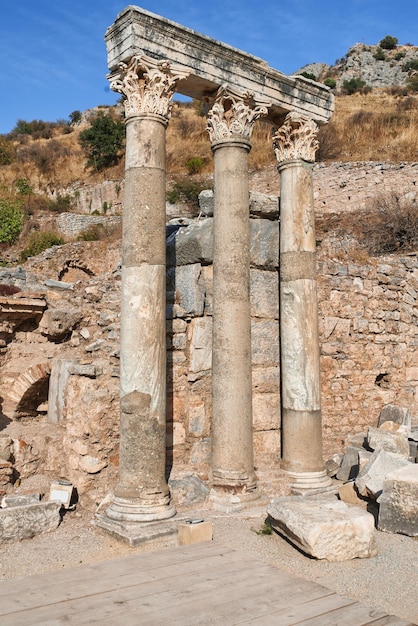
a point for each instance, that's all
(355, 613)
(59, 586)
(156, 594)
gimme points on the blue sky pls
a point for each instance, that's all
(53, 56)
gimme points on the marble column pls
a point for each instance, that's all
(295, 144)
(142, 493)
(230, 123)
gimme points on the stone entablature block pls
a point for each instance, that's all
(212, 64)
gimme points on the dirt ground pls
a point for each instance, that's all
(387, 582)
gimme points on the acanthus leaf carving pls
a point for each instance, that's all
(234, 114)
(147, 85)
(296, 139)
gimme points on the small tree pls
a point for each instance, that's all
(352, 85)
(11, 221)
(330, 82)
(388, 42)
(102, 141)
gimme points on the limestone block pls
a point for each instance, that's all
(349, 494)
(194, 531)
(398, 512)
(324, 528)
(266, 411)
(264, 243)
(188, 490)
(333, 465)
(91, 464)
(363, 458)
(264, 291)
(266, 379)
(261, 205)
(370, 480)
(201, 344)
(189, 288)
(23, 522)
(389, 441)
(350, 464)
(392, 413)
(265, 342)
(56, 323)
(193, 244)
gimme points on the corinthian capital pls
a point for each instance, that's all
(296, 139)
(234, 114)
(147, 85)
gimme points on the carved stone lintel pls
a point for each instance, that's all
(234, 114)
(147, 85)
(296, 139)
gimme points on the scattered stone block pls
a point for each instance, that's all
(333, 465)
(194, 531)
(399, 415)
(363, 458)
(20, 500)
(350, 464)
(413, 451)
(388, 440)
(324, 528)
(23, 522)
(349, 494)
(188, 491)
(370, 480)
(398, 512)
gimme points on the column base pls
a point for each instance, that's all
(233, 501)
(126, 510)
(309, 482)
(135, 533)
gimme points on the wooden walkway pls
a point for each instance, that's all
(200, 584)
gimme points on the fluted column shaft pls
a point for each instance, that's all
(295, 144)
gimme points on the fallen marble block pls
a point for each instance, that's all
(370, 480)
(389, 441)
(398, 512)
(398, 414)
(324, 528)
(23, 522)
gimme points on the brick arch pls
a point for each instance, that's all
(30, 389)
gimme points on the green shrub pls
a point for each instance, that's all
(379, 55)
(40, 241)
(185, 190)
(23, 187)
(195, 165)
(410, 65)
(330, 82)
(103, 141)
(308, 75)
(412, 83)
(61, 204)
(352, 85)
(388, 42)
(399, 55)
(11, 220)
(75, 117)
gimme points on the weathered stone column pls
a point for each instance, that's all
(142, 493)
(230, 123)
(295, 144)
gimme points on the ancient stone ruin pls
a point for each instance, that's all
(200, 353)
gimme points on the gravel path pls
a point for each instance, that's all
(387, 582)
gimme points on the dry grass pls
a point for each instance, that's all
(379, 126)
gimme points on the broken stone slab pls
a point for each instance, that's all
(349, 494)
(363, 458)
(388, 440)
(324, 528)
(24, 522)
(20, 500)
(392, 413)
(350, 464)
(333, 465)
(188, 491)
(370, 480)
(398, 512)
